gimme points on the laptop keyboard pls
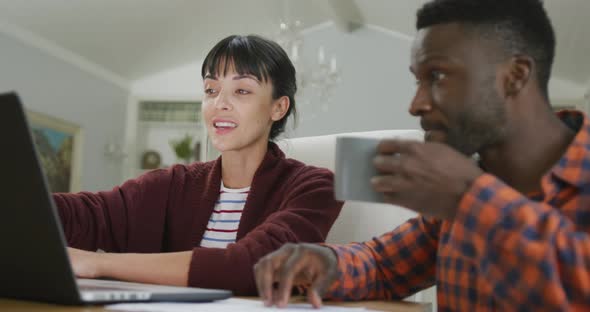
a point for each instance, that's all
(111, 291)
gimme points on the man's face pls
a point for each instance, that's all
(457, 98)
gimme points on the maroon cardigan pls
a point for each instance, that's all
(167, 210)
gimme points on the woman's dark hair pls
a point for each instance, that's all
(259, 57)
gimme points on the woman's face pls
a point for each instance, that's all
(239, 110)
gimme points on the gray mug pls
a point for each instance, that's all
(354, 169)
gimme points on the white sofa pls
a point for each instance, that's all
(358, 221)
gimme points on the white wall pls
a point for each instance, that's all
(52, 86)
(566, 93)
(184, 82)
(376, 86)
(565, 89)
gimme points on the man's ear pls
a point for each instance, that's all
(280, 108)
(519, 74)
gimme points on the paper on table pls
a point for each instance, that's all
(232, 304)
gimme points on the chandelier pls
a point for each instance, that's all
(316, 77)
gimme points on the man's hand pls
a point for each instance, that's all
(295, 265)
(86, 264)
(429, 178)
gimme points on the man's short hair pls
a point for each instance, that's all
(520, 26)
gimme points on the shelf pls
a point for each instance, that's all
(169, 111)
(157, 124)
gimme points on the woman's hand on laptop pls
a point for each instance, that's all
(169, 268)
(86, 264)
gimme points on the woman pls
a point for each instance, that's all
(178, 226)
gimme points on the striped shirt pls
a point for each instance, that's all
(225, 219)
(504, 251)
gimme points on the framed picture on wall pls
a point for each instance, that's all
(59, 148)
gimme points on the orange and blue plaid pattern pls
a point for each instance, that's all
(503, 252)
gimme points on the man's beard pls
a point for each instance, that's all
(479, 126)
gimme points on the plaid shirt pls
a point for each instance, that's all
(504, 251)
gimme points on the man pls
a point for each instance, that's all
(508, 233)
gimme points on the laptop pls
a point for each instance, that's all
(34, 264)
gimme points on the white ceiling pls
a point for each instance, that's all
(137, 38)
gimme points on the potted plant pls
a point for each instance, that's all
(183, 148)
